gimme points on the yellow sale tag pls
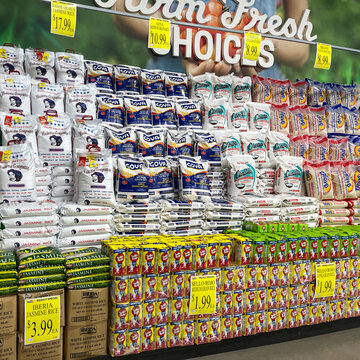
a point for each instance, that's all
(252, 45)
(159, 34)
(42, 85)
(17, 119)
(92, 161)
(63, 18)
(3, 54)
(323, 56)
(6, 155)
(42, 319)
(50, 119)
(325, 280)
(202, 295)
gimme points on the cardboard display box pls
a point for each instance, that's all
(49, 350)
(23, 297)
(8, 314)
(8, 346)
(83, 342)
(86, 306)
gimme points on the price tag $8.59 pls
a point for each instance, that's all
(323, 56)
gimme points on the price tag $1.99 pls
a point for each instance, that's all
(159, 34)
(252, 44)
(63, 18)
(202, 295)
(325, 280)
(323, 56)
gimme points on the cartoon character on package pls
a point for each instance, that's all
(226, 330)
(292, 255)
(186, 257)
(354, 267)
(293, 317)
(274, 279)
(119, 289)
(271, 320)
(133, 340)
(217, 272)
(342, 289)
(357, 307)
(314, 313)
(228, 276)
(120, 316)
(293, 295)
(187, 316)
(135, 290)
(214, 329)
(163, 288)
(148, 260)
(135, 315)
(227, 303)
(188, 333)
(306, 272)
(283, 296)
(303, 315)
(147, 338)
(303, 294)
(262, 276)
(119, 263)
(261, 299)
(133, 260)
(200, 256)
(272, 298)
(350, 308)
(237, 326)
(177, 283)
(163, 260)
(149, 310)
(332, 312)
(251, 277)
(284, 274)
(174, 335)
(246, 251)
(238, 305)
(239, 278)
(224, 253)
(175, 257)
(296, 272)
(118, 342)
(282, 320)
(344, 269)
(249, 326)
(161, 336)
(149, 286)
(353, 289)
(322, 316)
(341, 309)
(161, 312)
(176, 309)
(250, 298)
(212, 254)
(260, 322)
(201, 332)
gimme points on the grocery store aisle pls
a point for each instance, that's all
(344, 345)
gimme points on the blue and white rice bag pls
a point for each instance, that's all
(201, 86)
(151, 143)
(222, 87)
(132, 181)
(161, 179)
(137, 111)
(121, 141)
(110, 110)
(238, 117)
(189, 115)
(207, 148)
(229, 143)
(289, 175)
(127, 79)
(241, 89)
(215, 114)
(163, 113)
(152, 82)
(194, 182)
(176, 85)
(101, 75)
(179, 143)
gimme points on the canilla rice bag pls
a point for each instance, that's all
(318, 180)
(289, 175)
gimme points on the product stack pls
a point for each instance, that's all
(8, 273)
(63, 184)
(339, 212)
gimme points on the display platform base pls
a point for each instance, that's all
(178, 353)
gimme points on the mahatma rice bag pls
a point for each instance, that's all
(94, 178)
(132, 182)
(194, 181)
(317, 176)
(289, 175)
(259, 117)
(254, 144)
(241, 177)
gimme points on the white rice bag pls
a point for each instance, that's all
(279, 145)
(87, 240)
(84, 210)
(259, 117)
(18, 243)
(29, 222)
(254, 144)
(229, 143)
(289, 175)
(89, 136)
(85, 229)
(80, 102)
(47, 99)
(215, 114)
(40, 65)
(241, 89)
(12, 60)
(238, 117)
(31, 232)
(69, 68)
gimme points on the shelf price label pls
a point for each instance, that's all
(63, 18)
(42, 319)
(252, 44)
(202, 295)
(159, 34)
(325, 280)
(323, 56)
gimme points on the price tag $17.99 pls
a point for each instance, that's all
(63, 18)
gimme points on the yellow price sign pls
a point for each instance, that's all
(252, 44)
(6, 155)
(159, 34)
(17, 119)
(63, 18)
(325, 280)
(42, 319)
(202, 295)
(50, 119)
(92, 161)
(323, 56)
(3, 54)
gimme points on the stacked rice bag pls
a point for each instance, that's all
(86, 268)
(300, 209)
(138, 219)
(8, 273)
(43, 183)
(339, 213)
(62, 184)
(40, 269)
(84, 224)
(221, 215)
(28, 224)
(180, 218)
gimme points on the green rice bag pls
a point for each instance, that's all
(42, 271)
(89, 278)
(38, 249)
(90, 285)
(34, 260)
(8, 274)
(87, 260)
(8, 282)
(80, 250)
(41, 279)
(41, 287)
(87, 271)
(8, 290)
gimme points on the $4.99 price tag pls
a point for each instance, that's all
(323, 56)
(42, 319)
(325, 280)
(63, 18)
(252, 43)
(202, 295)
(159, 34)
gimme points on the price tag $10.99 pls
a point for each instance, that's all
(252, 44)
(63, 18)
(159, 34)
(323, 56)
(202, 295)
(42, 319)
(325, 280)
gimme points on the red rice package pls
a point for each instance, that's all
(317, 121)
(280, 92)
(280, 118)
(297, 93)
(318, 180)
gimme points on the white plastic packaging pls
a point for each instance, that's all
(289, 175)
(69, 68)
(47, 99)
(259, 117)
(12, 61)
(40, 65)
(201, 86)
(80, 102)
(89, 136)
(254, 144)
(279, 145)
(229, 143)
(84, 210)
(241, 89)
(215, 114)
(30, 222)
